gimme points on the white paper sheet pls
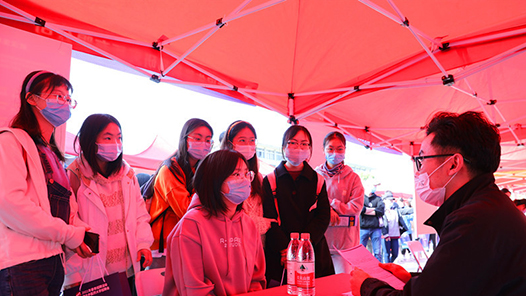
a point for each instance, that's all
(360, 257)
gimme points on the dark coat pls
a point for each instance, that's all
(482, 248)
(369, 221)
(294, 199)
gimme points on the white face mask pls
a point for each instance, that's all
(436, 196)
(296, 156)
(248, 151)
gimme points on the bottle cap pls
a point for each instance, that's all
(305, 236)
(294, 235)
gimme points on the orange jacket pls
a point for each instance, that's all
(170, 194)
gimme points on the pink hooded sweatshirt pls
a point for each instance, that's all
(213, 256)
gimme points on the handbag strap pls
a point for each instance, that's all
(89, 268)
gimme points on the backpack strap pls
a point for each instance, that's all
(321, 180)
(319, 186)
(272, 181)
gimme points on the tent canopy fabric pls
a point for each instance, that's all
(373, 69)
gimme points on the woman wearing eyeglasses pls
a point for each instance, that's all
(109, 200)
(293, 196)
(38, 214)
(173, 186)
(346, 194)
(241, 137)
(215, 249)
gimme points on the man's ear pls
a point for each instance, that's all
(457, 163)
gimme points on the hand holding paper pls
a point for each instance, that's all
(357, 278)
(359, 257)
(397, 271)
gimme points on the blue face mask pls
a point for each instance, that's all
(109, 152)
(198, 150)
(239, 190)
(296, 156)
(334, 158)
(55, 113)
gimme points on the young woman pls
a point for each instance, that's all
(297, 204)
(215, 249)
(173, 184)
(38, 215)
(110, 201)
(346, 193)
(241, 137)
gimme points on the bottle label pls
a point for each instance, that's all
(305, 275)
(291, 270)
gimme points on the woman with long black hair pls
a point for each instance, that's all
(38, 213)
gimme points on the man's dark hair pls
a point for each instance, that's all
(469, 134)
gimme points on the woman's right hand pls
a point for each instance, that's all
(84, 251)
(335, 218)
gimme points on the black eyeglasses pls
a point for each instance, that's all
(418, 159)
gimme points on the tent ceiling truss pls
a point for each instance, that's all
(429, 52)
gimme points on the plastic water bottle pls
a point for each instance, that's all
(305, 281)
(292, 254)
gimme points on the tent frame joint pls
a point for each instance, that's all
(219, 23)
(155, 78)
(448, 80)
(445, 46)
(40, 22)
(293, 120)
(156, 46)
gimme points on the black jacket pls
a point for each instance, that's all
(295, 198)
(369, 221)
(482, 248)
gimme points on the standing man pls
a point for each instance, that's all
(480, 250)
(371, 222)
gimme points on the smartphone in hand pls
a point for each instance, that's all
(92, 241)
